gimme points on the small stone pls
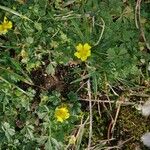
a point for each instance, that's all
(146, 108)
(146, 139)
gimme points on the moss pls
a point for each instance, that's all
(132, 124)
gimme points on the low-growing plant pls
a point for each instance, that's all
(55, 56)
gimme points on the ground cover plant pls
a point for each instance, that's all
(74, 74)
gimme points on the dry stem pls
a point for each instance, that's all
(138, 22)
(90, 107)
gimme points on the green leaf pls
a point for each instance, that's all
(29, 40)
(9, 132)
(38, 26)
(72, 96)
(48, 145)
(50, 70)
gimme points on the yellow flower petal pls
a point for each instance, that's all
(77, 54)
(87, 46)
(9, 25)
(89, 53)
(83, 58)
(5, 19)
(79, 47)
(2, 30)
(59, 119)
(5, 26)
(83, 51)
(61, 114)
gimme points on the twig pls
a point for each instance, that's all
(90, 107)
(81, 86)
(102, 32)
(115, 120)
(82, 124)
(99, 109)
(112, 89)
(106, 148)
(138, 22)
(106, 101)
(109, 130)
(111, 147)
(76, 134)
(80, 133)
(137, 12)
(139, 95)
(107, 111)
(101, 142)
(106, 90)
(120, 145)
(55, 33)
(117, 113)
(112, 120)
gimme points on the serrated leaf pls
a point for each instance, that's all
(50, 70)
(38, 26)
(48, 145)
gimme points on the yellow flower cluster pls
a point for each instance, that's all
(83, 51)
(5, 26)
(61, 114)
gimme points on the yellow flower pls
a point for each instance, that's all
(61, 114)
(83, 51)
(5, 25)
